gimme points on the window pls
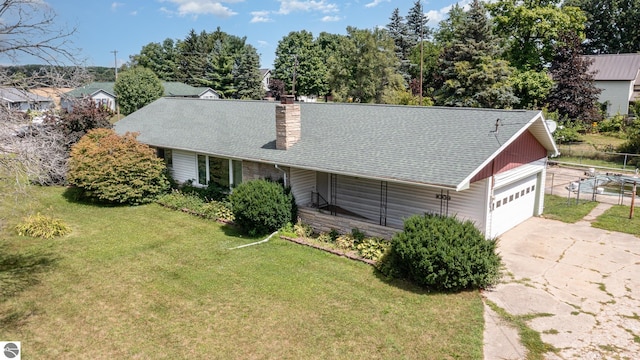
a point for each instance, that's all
(528, 190)
(522, 193)
(166, 155)
(511, 198)
(517, 195)
(498, 204)
(224, 172)
(533, 187)
(505, 201)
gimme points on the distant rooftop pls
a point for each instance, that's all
(615, 66)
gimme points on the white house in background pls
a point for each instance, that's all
(618, 76)
(23, 100)
(359, 165)
(102, 93)
(266, 76)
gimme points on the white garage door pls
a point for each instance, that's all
(513, 204)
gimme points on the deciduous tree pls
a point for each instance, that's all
(136, 88)
(299, 55)
(574, 94)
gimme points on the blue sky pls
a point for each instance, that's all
(127, 25)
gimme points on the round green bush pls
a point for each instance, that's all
(442, 253)
(261, 206)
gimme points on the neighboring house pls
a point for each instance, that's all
(618, 75)
(103, 93)
(100, 92)
(361, 166)
(266, 76)
(22, 100)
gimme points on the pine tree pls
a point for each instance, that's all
(247, 75)
(473, 74)
(574, 94)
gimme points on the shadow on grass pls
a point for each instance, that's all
(404, 285)
(76, 196)
(18, 272)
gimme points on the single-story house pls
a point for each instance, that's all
(360, 165)
(618, 76)
(23, 100)
(102, 93)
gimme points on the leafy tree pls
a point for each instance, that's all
(442, 253)
(192, 59)
(136, 88)
(532, 88)
(530, 29)
(276, 88)
(118, 169)
(261, 206)
(611, 26)
(299, 55)
(84, 116)
(159, 58)
(473, 74)
(367, 67)
(335, 53)
(574, 94)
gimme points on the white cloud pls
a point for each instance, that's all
(262, 43)
(375, 3)
(133, 13)
(289, 6)
(260, 16)
(116, 5)
(331, 18)
(435, 16)
(202, 7)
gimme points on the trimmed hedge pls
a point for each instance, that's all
(261, 206)
(442, 253)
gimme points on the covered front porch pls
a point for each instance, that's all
(377, 207)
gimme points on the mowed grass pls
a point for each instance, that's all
(151, 283)
(617, 219)
(559, 208)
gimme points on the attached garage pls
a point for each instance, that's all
(514, 203)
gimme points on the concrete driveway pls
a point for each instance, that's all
(585, 279)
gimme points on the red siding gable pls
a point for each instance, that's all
(524, 150)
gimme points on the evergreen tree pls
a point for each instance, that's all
(192, 59)
(398, 31)
(574, 94)
(247, 75)
(417, 28)
(473, 74)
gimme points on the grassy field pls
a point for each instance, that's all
(617, 219)
(558, 208)
(148, 282)
(592, 151)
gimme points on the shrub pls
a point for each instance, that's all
(117, 169)
(442, 253)
(345, 242)
(42, 226)
(218, 210)
(213, 191)
(567, 132)
(260, 206)
(373, 248)
(302, 230)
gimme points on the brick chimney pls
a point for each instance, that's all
(287, 123)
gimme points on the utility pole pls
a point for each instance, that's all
(295, 68)
(115, 62)
(115, 67)
(421, 49)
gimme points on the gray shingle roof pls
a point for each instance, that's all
(428, 145)
(615, 66)
(171, 88)
(12, 95)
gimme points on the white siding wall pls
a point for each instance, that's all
(303, 182)
(361, 196)
(617, 93)
(184, 165)
(102, 97)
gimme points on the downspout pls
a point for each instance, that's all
(284, 173)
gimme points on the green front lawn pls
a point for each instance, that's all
(559, 208)
(149, 282)
(617, 219)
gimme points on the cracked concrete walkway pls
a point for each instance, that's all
(585, 281)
